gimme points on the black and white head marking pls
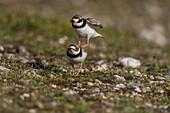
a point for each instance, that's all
(74, 51)
(77, 21)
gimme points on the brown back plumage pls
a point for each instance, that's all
(94, 22)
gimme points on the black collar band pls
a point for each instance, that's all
(84, 23)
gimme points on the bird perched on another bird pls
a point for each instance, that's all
(84, 28)
(76, 55)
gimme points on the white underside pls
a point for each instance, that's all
(87, 32)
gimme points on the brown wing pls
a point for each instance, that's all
(94, 22)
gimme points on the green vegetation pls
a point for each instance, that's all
(38, 79)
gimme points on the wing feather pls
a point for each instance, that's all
(94, 22)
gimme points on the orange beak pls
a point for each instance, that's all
(74, 23)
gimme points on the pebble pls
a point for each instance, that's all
(107, 104)
(101, 67)
(90, 84)
(120, 86)
(62, 40)
(8, 46)
(2, 68)
(120, 78)
(54, 104)
(70, 93)
(129, 62)
(100, 62)
(95, 90)
(146, 89)
(32, 111)
(135, 72)
(133, 83)
(54, 86)
(40, 104)
(159, 78)
(137, 89)
(159, 90)
(63, 69)
(97, 81)
(22, 50)
(135, 94)
(1, 48)
(102, 96)
(25, 95)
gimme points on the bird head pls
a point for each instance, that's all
(74, 49)
(76, 20)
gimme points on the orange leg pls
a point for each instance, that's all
(72, 66)
(85, 46)
(79, 43)
(88, 39)
(81, 66)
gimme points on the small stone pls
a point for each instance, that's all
(54, 86)
(90, 84)
(102, 67)
(135, 94)
(54, 104)
(4, 68)
(1, 48)
(129, 62)
(164, 106)
(107, 104)
(135, 72)
(63, 69)
(32, 111)
(159, 78)
(102, 96)
(97, 81)
(148, 104)
(8, 46)
(146, 89)
(119, 78)
(133, 83)
(62, 40)
(24, 60)
(151, 77)
(159, 90)
(120, 86)
(95, 90)
(137, 89)
(21, 50)
(100, 62)
(40, 104)
(70, 93)
(26, 95)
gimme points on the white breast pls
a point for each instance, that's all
(78, 59)
(87, 32)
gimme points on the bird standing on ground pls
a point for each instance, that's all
(84, 28)
(76, 55)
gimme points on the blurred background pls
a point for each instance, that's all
(129, 26)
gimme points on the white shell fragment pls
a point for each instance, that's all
(129, 62)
